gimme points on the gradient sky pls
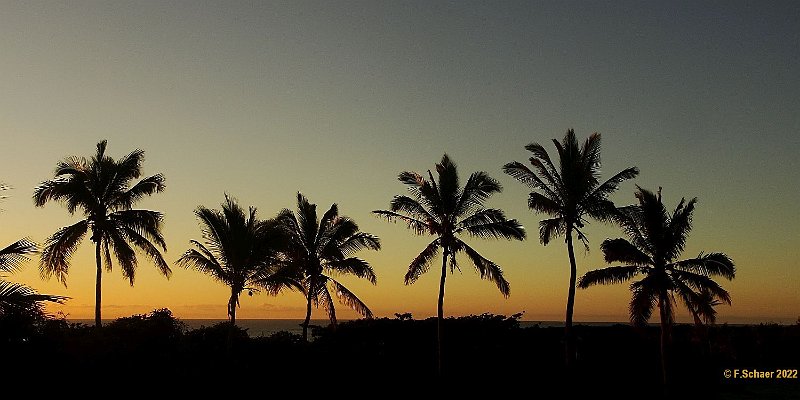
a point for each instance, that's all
(334, 99)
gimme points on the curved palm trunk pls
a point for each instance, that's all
(232, 306)
(232, 314)
(568, 334)
(440, 315)
(308, 312)
(98, 282)
(665, 335)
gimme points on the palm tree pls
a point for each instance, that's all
(568, 194)
(102, 189)
(15, 297)
(443, 209)
(320, 248)
(240, 251)
(657, 239)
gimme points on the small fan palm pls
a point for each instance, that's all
(102, 189)
(569, 193)
(240, 251)
(443, 209)
(322, 248)
(657, 239)
(14, 297)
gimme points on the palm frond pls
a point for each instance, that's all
(417, 226)
(629, 218)
(447, 185)
(643, 301)
(612, 184)
(700, 283)
(544, 204)
(15, 298)
(274, 278)
(148, 248)
(590, 151)
(477, 190)
(711, 264)
(15, 254)
(541, 160)
(359, 241)
(329, 226)
(523, 174)
(129, 166)
(354, 266)
(608, 275)
(621, 250)
(70, 190)
(200, 261)
(146, 223)
(491, 223)
(349, 299)
(679, 227)
(323, 298)
(410, 207)
(58, 250)
(118, 241)
(551, 228)
(488, 269)
(145, 187)
(421, 189)
(307, 220)
(600, 209)
(421, 263)
(550, 176)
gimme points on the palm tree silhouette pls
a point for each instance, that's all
(657, 239)
(569, 194)
(318, 248)
(444, 210)
(101, 188)
(240, 251)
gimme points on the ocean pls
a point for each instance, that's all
(266, 327)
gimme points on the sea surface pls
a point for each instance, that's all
(266, 327)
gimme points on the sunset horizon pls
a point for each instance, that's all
(261, 101)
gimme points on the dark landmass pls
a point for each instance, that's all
(490, 352)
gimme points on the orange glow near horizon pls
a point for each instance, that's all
(261, 100)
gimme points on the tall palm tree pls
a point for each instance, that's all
(240, 251)
(443, 209)
(15, 297)
(322, 248)
(657, 239)
(569, 194)
(102, 189)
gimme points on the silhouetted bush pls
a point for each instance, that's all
(614, 359)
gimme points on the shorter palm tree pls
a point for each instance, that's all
(16, 298)
(657, 239)
(322, 248)
(445, 210)
(240, 251)
(570, 194)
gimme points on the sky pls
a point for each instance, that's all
(262, 99)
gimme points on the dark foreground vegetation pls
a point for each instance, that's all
(489, 350)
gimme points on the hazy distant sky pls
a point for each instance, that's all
(263, 99)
